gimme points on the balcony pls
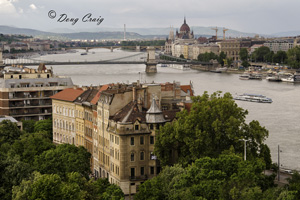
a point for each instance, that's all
(138, 178)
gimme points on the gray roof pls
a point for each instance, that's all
(2, 118)
(154, 114)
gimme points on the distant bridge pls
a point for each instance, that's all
(139, 58)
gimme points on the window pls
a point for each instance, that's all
(142, 171)
(151, 139)
(132, 141)
(132, 157)
(141, 140)
(136, 127)
(142, 155)
(151, 126)
(132, 172)
(151, 170)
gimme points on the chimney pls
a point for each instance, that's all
(134, 94)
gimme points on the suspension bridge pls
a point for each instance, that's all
(148, 58)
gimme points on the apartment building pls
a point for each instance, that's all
(117, 124)
(25, 92)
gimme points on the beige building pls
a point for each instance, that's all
(204, 48)
(64, 120)
(231, 48)
(116, 123)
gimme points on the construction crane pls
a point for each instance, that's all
(224, 30)
(216, 29)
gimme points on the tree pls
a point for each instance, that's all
(243, 54)
(259, 55)
(65, 158)
(214, 124)
(75, 187)
(9, 132)
(221, 58)
(225, 177)
(294, 57)
(181, 56)
(245, 64)
(28, 126)
(31, 145)
(294, 184)
(44, 126)
(280, 57)
(13, 172)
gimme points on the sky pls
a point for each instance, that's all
(252, 16)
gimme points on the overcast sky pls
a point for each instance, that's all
(256, 16)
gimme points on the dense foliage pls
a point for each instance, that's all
(32, 167)
(224, 177)
(214, 124)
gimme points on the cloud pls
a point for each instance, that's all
(6, 7)
(33, 7)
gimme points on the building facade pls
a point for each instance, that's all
(117, 124)
(25, 93)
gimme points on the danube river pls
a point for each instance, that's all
(281, 118)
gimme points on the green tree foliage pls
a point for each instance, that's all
(206, 57)
(221, 58)
(64, 159)
(181, 56)
(143, 43)
(28, 126)
(294, 185)
(31, 145)
(214, 124)
(280, 57)
(244, 54)
(245, 64)
(293, 57)
(9, 132)
(260, 54)
(225, 177)
(75, 187)
(44, 126)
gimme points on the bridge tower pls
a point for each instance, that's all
(151, 61)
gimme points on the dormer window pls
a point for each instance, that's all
(136, 127)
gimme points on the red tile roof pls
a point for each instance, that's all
(97, 96)
(185, 88)
(69, 94)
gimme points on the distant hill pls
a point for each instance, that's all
(287, 33)
(117, 33)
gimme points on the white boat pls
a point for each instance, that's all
(253, 98)
(181, 67)
(292, 78)
(244, 76)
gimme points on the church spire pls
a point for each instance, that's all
(184, 21)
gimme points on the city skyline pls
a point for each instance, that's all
(263, 17)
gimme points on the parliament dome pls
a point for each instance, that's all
(184, 27)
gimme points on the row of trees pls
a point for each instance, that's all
(264, 54)
(201, 154)
(222, 58)
(32, 167)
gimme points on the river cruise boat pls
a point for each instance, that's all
(291, 78)
(251, 76)
(253, 98)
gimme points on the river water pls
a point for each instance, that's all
(281, 118)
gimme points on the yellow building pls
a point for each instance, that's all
(64, 116)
